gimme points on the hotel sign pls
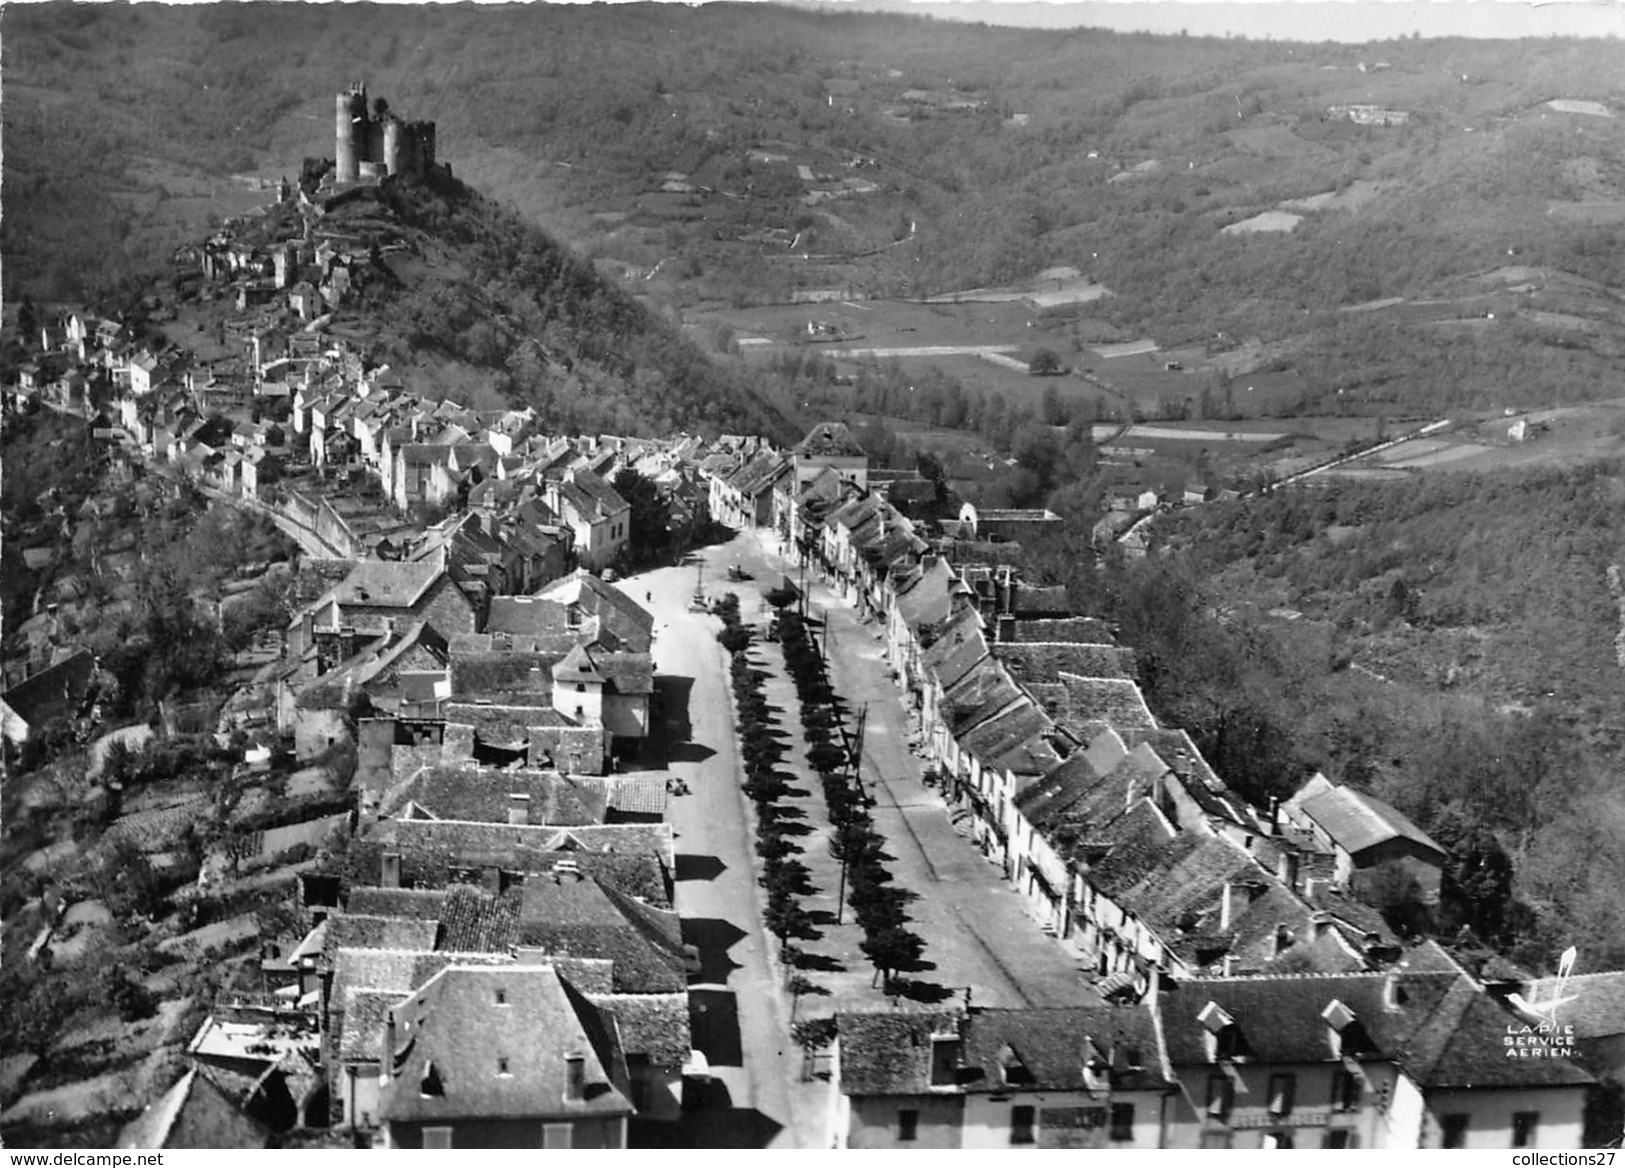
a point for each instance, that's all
(1259, 1117)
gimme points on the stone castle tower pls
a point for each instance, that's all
(372, 143)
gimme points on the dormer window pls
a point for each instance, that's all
(945, 1050)
(502, 997)
(1224, 1036)
(429, 1085)
(502, 1068)
(1338, 1018)
(575, 1077)
(1014, 1071)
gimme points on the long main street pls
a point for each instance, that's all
(977, 931)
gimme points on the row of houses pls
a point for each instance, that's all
(1192, 908)
(1420, 1055)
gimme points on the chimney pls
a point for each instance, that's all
(1390, 990)
(1286, 869)
(518, 808)
(1229, 965)
(387, 1063)
(1228, 908)
(1283, 939)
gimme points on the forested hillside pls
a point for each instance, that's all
(478, 285)
(750, 152)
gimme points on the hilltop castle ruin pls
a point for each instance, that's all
(370, 144)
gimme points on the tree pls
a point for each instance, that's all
(1045, 363)
(891, 950)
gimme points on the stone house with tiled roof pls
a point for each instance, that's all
(1372, 1060)
(1061, 1078)
(511, 1057)
(1364, 833)
(594, 613)
(595, 512)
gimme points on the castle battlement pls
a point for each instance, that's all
(372, 143)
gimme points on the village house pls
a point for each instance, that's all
(1409, 1058)
(1074, 1078)
(1364, 834)
(503, 1057)
(595, 512)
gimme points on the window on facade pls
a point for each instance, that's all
(1523, 1128)
(1282, 1088)
(1337, 1137)
(1021, 1124)
(1122, 1121)
(581, 687)
(556, 1135)
(1345, 1091)
(1219, 1092)
(437, 1138)
(908, 1125)
(1453, 1131)
(575, 1077)
(502, 1067)
(579, 714)
(502, 997)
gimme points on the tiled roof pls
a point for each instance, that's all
(635, 859)
(361, 1039)
(1045, 1049)
(486, 795)
(415, 903)
(979, 695)
(1018, 739)
(1598, 1006)
(1357, 821)
(54, 692)
(1076, 630)
(352, 931)
(475, 921)
(468, 1018)
(890, 1053)
(653, 1025)
(623, 624)
(1117, 701)
(1280, 1018)
(388, 584)
(829, 440)
(1461, 1045)
(956, 649)
(577, 917)
(195, 1113)
(1045, 662)
(1053, 1046)
(638, 794)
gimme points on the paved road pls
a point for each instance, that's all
(739, 1013)
(979, 932)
